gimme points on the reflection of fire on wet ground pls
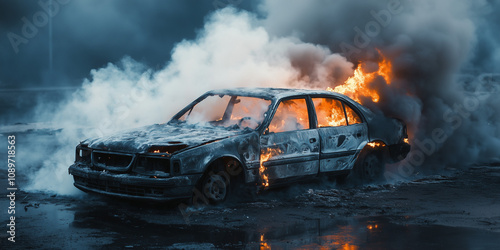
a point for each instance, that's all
(374, 217)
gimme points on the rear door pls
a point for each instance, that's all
(289, 147)
(342, 131)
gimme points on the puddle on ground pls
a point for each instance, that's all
(97, 226)
(354, 233)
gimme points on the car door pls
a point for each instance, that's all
(342, 132)
(289, 147)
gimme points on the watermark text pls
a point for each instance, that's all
(11, 188)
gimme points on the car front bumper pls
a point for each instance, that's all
(132, 186)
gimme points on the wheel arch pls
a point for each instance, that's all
(224, 158)
(373, 146)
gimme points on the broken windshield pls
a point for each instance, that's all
(238, 112)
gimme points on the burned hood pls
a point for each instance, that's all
(141, 139)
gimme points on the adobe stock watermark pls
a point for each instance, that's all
(373, 28)
(11, 187)
(31, 26)
(454, 119)
(221, 4)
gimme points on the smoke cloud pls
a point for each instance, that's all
(430, 44)
(228, 52)
(313, 45)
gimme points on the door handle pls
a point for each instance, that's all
(312, 140)
(341, 140)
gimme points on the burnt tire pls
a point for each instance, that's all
(215, 188)
(370, 167)
(221, 181)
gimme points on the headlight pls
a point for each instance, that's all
(83, 154)
(153, 166)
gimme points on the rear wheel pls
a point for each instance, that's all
(370, 167)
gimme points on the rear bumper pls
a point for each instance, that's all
(131, 186)
(398, 152)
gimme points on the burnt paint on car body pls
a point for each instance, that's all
(302, 153)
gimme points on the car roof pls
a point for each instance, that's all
(274, 93)
(280, 93)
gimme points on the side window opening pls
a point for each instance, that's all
(352, 116)
(329, 112)
(290, 115)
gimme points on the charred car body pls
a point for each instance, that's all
(262, 137)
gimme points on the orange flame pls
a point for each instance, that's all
(356, 86)
(385, 69)
(264, 156)
(330, 113)
(263, 244)
(376, 144)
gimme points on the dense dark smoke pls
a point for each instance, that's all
(314, 45)
(430, 43)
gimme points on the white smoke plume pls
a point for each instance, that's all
(231, 51)
(294, 44)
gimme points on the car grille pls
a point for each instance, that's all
(112, 161)
(117, 188)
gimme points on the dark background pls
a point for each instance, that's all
(87, 35)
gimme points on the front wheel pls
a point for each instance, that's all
(215, 188)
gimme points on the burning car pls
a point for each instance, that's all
(229, 139)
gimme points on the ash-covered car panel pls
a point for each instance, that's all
(290, 154)
(340, 146)
(265, 137)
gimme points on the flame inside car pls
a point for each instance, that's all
(331, 113)
(290, 115)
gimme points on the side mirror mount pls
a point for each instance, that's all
(266, 132)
